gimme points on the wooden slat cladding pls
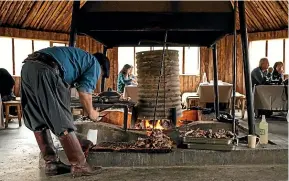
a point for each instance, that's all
(189, 83)
(225, 61)
(55, 16)
(84, 42)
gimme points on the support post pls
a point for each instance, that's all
(216, 87)
(125, 117)
(174, 116)
(234, 67)
(102, 86)
(73, 26)
(248, 82)
(133, 117)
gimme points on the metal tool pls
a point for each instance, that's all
(161, 74)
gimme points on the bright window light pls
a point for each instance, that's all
(40, 44)
(257, 50)
(287, 56)
(275, 51)
(6, 54)
(192, 61)
(23, 48)
(125, 56)
(58, 44)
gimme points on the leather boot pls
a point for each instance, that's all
(75, 155)
(86, 145)
(53, 166)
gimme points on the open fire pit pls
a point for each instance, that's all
(159, 102)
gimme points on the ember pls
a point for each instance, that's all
(156, 140)
(148, 125)
(198, 133)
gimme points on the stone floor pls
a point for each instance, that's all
(19, 161)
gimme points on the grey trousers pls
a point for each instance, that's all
(45, 99)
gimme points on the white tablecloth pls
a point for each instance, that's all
(132, 92)
(207, 93)
(270, 97)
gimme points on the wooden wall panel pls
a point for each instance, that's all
(188, 83)
(84, 42)
(225, 61)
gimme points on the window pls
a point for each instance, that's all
(257, 50)
(287, 56)
(141, 49)
(23, 48)
(58, 44)
(6, 54)
(275, 51)
(192, 61)
(157, 48)
(39, 44)
(125, 56)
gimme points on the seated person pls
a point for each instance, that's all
(277, 74)
(259, 74)
(6, 85)
(270, 71)
(125, 78)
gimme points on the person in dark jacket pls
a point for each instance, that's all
(259, 74)
(269, 73)
(277, 74)
(46, 78)
(6, 85)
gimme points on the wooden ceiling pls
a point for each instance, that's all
(55, 16)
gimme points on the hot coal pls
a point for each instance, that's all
(199, 133)
(156, 140)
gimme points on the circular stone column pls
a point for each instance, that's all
(148, 70)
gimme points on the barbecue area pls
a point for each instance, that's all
(152, 131)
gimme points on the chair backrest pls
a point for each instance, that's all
(207, 94)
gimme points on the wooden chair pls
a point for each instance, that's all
(240, 103)
(8, 117)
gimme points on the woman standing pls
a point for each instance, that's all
(125, 78)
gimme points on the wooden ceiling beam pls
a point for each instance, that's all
(32, 14)
(42, 14)
(10, 19)
(43, 20)
(4, 11)
(55, 14)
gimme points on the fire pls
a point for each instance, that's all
(149, 125)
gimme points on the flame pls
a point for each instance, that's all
(149, 125)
